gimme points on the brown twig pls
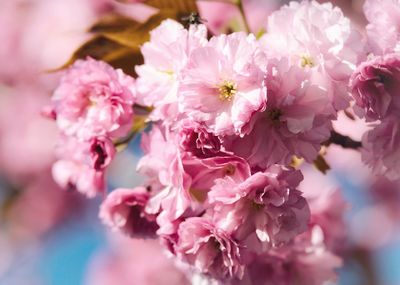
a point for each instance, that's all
(343, 141)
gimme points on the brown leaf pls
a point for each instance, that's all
(188, 6)
(117, 55)
(111, 23)
(118, 38)
(321, 164)
(135, 35)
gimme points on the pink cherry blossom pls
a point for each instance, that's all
(197, 140)
(266, 203)
(375, 86)
(180, 179)
(311, 261)
(81, 164)
(307, 261)
(133, 261)
(304, 263)
(211, 250)
(381, 149)
(223, 84)
(93, 99)
(123, 210)
(327, 206)
(316, 37)
(296, 120)
(162, 164)
(165, 55)
(72, 175)
(384, 25)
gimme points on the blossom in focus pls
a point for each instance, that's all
(179, 179)
(318, 38)
(197, 140)
(93, 99)
(223, 83)
(209, 248)
(296, 120)
(266, 204)
(165, 55)
(123, 210)
(375, 87)
(384, 25)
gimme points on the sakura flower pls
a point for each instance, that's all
(165, 55)
(101, 152)
(196, 139)
(223, 83)
(311, 262)
(72, 175)
(309, 265)
(327, 206)
(384, 25)
(310, 258)
(210, 249)
(375, 87)
(180, 179)
(93, 99)
(266, 203)
(81, 164)
(296, 120)
(316, 37)
(162, 163)
(123, 210)
(381, 149)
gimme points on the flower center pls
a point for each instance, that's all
(307, 60)
(230, 170)
(274, 114)
(227, 90)
(257, 206)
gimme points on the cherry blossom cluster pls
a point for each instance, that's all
(92, 106)
(375, 87)
(228, 117)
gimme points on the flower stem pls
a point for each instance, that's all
(239, 4)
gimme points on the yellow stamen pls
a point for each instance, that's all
(274, 114)
(227, 90)
(307, 61)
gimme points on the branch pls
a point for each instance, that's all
(126, 140)
(243, 14)
(139, 124)
(343, 141)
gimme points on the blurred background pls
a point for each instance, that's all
(52, 237)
